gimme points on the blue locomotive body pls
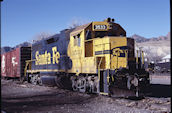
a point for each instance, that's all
(50, 55)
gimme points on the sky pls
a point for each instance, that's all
(22, 20)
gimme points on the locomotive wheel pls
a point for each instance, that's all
(96, 85)
(129, 78)
(39, 81)
(74, 84)
(28, 78)
(34, 79)
(81, 85)
(85, 84)
(93, 84)
(135, 82)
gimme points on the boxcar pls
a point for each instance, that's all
(13, 62)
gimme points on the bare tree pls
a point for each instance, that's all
(77, 22)
(151, 53)
(41, 36)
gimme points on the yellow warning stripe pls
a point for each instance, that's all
(102, 93)
(45, 70)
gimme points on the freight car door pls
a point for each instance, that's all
(3, 64)
(8, 65)
(15, 56)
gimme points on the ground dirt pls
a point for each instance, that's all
(28, 98)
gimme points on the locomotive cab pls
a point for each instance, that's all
(100, 41)
(95, 41)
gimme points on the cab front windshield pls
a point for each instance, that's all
(101, 34)
(96, 34)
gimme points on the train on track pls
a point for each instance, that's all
(96, 57)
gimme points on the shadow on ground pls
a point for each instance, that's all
(28, 103)
(159, 90)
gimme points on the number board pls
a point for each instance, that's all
(100, 27)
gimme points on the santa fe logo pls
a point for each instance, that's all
(13, 61)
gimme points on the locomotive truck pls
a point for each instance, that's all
(96, 57)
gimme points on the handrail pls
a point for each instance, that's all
(99, 68)
(25, 69)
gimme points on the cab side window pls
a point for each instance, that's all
(88, 34)
(77, 40)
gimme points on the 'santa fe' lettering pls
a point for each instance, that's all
(42, 59)
(56, 55)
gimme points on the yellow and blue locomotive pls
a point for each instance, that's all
(96, 57)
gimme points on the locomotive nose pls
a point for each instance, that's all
(119, 52)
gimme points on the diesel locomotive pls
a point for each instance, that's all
(96, 57)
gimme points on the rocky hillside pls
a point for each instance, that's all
(140, 39)
(155, 48)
